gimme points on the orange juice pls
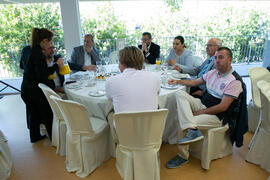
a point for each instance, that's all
(157, 62)
(52, 76)
(65, 70)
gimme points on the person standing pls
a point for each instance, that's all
(37, 71)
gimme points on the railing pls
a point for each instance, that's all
(246, 49)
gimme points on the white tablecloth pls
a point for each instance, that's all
(101, 106)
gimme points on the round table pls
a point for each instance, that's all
(101, 106)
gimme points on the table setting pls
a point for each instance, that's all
(88, 88)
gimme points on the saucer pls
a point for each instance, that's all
(96, 93)
(171, 87)
(178, 75)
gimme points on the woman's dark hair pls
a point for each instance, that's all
(39, 34)
(181, 39)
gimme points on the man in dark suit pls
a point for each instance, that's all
(84, 57)
(150, 50)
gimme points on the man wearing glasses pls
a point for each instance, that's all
(150, 50)
(211, 47)
(84, 57)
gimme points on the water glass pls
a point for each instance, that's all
(106, 60)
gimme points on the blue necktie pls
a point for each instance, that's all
(205, 67)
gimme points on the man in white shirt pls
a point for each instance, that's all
(133, 89)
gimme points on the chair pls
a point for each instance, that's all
(216, 144)
(140, 137)
(59, 126)
(114, 57)
(260, 149)
(5, 158)
(256, 74)
(88, 138)
(197, 61)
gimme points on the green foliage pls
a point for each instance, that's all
(106, 28)
(16, 23)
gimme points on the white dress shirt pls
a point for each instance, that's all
(87, 59)
(133, 90)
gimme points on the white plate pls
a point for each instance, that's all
(96, 93)
(179, 75)
(75, 76)
(174, 86)
(74, 85)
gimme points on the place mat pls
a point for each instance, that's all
(96, 93)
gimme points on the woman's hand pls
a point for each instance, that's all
(171, 62)
(176, 67)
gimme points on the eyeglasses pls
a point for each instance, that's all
(210, 45)
(143, 39)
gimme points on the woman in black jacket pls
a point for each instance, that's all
(36, 71)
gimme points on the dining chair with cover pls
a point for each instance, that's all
(256, 74)
(140, 138)
(260, 149)
(197, 61)
(5, 158)
(216, 144)
(88, 138)
(59, 126)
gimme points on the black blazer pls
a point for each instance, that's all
(154, 53)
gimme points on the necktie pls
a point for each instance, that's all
(205, 67)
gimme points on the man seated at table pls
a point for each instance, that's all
(211, 47)
(223, 87)
(151, 51)
(84, 57)
(133, 89)
(59, 79)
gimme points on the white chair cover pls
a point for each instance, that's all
(216, 144)
(256, 74)
(5, 158)
(88, 139)
(197, 61)
(140, 137)
(260, 149)
(114, 57)
(59, 129)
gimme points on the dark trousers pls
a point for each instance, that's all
(38, 112)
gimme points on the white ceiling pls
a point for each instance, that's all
(48, 1)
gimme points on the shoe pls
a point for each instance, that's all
(37, 139)
(176, 162)
(191, 136)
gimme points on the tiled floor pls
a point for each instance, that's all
(39, 161)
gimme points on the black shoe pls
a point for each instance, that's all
(38, 138)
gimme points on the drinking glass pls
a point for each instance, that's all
(99, 65)
(106, 60)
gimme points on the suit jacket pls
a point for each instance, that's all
(77, 58)
(154, 53)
